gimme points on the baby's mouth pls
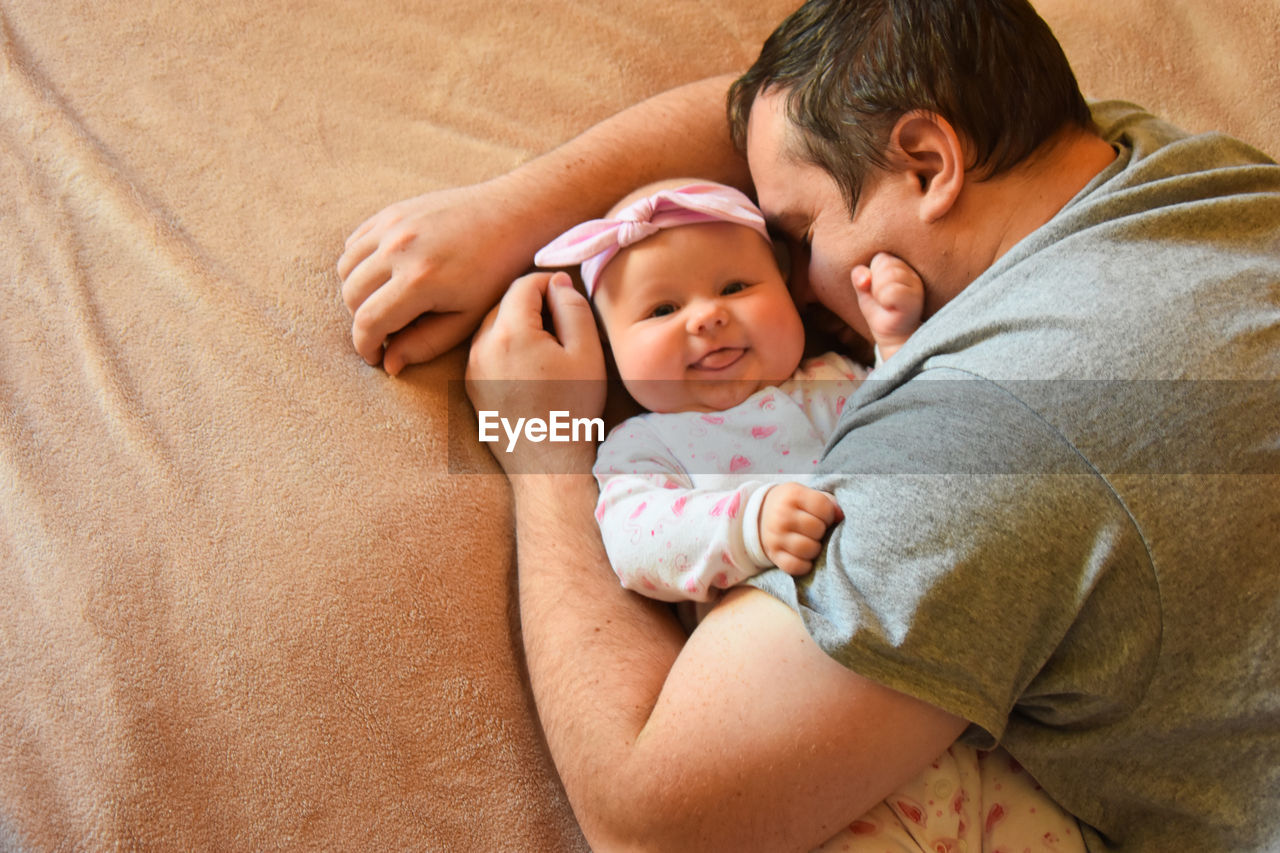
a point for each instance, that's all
(719, 359)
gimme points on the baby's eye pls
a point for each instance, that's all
(734, 287)
(663, 310)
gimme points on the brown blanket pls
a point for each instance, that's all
(244, 601)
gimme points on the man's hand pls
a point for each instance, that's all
(519, 369)
(793, 521)
(419, 275)
(891, 297)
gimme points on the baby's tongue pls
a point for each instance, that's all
(720, 358)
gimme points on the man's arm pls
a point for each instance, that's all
(747, 737)
(419, 275)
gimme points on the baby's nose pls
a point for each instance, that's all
(707, 315)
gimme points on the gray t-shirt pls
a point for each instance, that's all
(1062, 501)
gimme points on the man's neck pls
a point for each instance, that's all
(1042, 186)
(1001, 211)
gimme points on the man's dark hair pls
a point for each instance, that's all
(851, 68)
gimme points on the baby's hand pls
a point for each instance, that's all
(793, 521)
(891, 297)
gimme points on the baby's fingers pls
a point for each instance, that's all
(793, 565)
(796, 552)
(885, 264)
(860, 277)
(821, 505)
(806, 524)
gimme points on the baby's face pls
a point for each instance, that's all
(699, 318)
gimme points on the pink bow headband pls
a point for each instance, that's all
(593, 244)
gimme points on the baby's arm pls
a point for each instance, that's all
(793, 521)
(666, 538)
(673, 543)
(891, 297)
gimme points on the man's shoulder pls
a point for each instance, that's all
(1158, 269)
(1132, 128)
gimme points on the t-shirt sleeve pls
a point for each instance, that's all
(982, 565)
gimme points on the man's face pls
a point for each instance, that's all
(803, 202)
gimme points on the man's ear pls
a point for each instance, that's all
(930, 154)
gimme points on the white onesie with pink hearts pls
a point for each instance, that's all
(680, 493)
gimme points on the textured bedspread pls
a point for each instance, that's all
(244, 603)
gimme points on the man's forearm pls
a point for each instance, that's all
(598, 655)
(678, 133)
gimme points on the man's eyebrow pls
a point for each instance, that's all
(787, 222)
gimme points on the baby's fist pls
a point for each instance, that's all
(793, 521)
(891, 298)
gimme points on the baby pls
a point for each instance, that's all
(708, 488)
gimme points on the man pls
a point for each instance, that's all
(1032, 553)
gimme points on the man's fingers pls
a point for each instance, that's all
(365, 227)
(357, 249)
(362, 280)
(386, 311)
(486, 322)
(520, 309)
(571, 316)
(426, 338)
